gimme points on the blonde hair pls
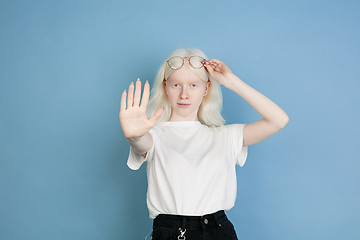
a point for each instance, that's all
(210, 109)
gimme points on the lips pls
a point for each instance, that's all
(183, 105)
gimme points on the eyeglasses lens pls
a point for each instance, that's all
(175, 62)
(196, 62)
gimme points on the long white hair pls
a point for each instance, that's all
(210, 109)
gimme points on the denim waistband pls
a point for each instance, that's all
(190, 222)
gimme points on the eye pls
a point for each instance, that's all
(176, 85)
(193, 85)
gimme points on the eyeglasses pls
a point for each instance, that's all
(194, 61)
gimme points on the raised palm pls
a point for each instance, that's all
(133, 119)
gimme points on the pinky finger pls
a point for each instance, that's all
(123, 102)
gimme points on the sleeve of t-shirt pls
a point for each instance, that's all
(236, 136)
(135, 160)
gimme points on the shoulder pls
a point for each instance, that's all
(232, 130)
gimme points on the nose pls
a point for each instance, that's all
(184, 94)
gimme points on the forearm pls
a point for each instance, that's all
(271, 112)
(141, 144)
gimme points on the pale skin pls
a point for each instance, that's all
(185, 92)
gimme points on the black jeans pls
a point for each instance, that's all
(214, 226)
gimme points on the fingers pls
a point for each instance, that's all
(209, 68)
(123, 101)
(130, 101)
(134, 95)
(137, 92)
(134, 99)
(156, 115)
(145, 96)
(215, 64)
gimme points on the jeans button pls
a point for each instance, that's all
(206, 221)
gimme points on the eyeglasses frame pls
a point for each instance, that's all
(203, 59)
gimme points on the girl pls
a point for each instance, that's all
(190, 153)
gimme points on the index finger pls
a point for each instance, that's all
(145, 96)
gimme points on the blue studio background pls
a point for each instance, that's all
(64, 65)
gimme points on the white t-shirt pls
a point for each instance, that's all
(191, 167)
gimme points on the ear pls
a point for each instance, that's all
(164, 82)
(208, 85)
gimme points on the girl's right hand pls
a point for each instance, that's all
(133, 119)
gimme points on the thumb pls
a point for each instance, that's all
(156, 115)
(209, 68)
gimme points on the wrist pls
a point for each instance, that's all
(232, 81)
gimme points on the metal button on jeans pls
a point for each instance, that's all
(206, 221)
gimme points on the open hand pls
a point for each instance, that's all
(133, 119)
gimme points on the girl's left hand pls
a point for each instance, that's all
(219, 71)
